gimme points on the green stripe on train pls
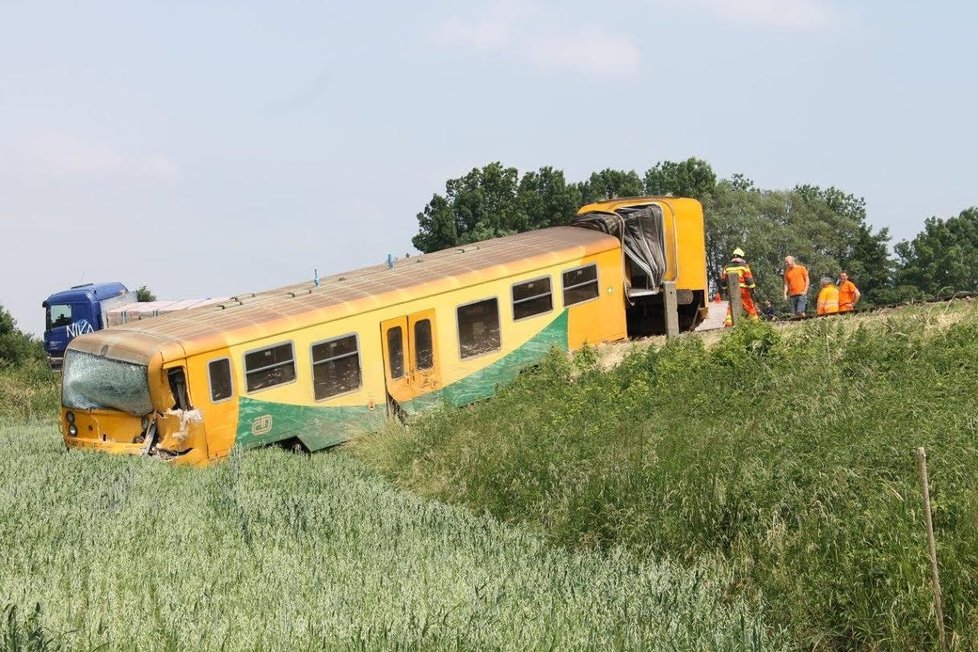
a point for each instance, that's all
(483, 383)
(266, 422)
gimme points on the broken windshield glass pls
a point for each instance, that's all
(91, 382)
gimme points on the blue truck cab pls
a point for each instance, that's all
(81, 309)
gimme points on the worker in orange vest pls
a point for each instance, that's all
(739, 266)
(848, 293)
(828, 298)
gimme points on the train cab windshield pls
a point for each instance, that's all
(91, 382)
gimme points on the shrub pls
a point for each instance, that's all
(16, 347)
(788, 454)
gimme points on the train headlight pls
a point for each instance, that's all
(72, 430)
(70, 416)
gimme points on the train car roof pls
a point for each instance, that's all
(252, 315)
(612, 205)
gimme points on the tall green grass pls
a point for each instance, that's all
(29, 390)
(273, 550)
(788, 455)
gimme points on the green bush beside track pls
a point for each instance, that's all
(784, 454)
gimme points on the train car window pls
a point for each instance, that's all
(268, 367)
(219, 372)
(178, 387)
(580, 284)
(532, 298)
(336, 366)
(478, 328)
(424, 352)
(395, 351)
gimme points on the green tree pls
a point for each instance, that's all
(437, 228)
(824, 229)
(482, 204)
(546, 199)
(738, 181)
(144, 294)
(941, 258)
(754, 221)
(862, 252)
(690, 178)
(16, 347)
(872, 267)
(495, 201)
(611, 184)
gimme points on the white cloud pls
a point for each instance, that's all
(66, 155)
(593, 52)
(527, 33)
(492, 31)
(800, 15)
(161, 167)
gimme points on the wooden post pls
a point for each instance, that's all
(733, 294)
(932, 544)
(670, 306)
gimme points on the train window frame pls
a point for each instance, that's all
(458, 329)
(514, 302)
(210, 380)
(244, 365)
(313, 363)
(431, 344)
(596, 282)
(403, 351)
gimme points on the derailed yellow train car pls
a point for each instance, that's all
(663, 241)
(315, 363)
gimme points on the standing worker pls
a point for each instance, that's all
(739, 266)
(795, 286)
(848, 293)
(828, 298)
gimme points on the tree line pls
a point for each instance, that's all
(826, 229)
(16, 346)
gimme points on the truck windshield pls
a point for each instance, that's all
(91, 382)
(58, 315)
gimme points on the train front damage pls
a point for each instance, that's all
(125, 399)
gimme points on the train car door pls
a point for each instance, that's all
(410, 357)
(424, 354)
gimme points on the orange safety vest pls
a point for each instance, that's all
(847, 294)
(739, 266)
(828, 300)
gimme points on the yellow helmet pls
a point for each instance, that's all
(738, 252)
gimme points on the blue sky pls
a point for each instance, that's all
(208, 148)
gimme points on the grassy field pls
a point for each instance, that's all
(274, 550)
(28, 392)
(785, 454)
